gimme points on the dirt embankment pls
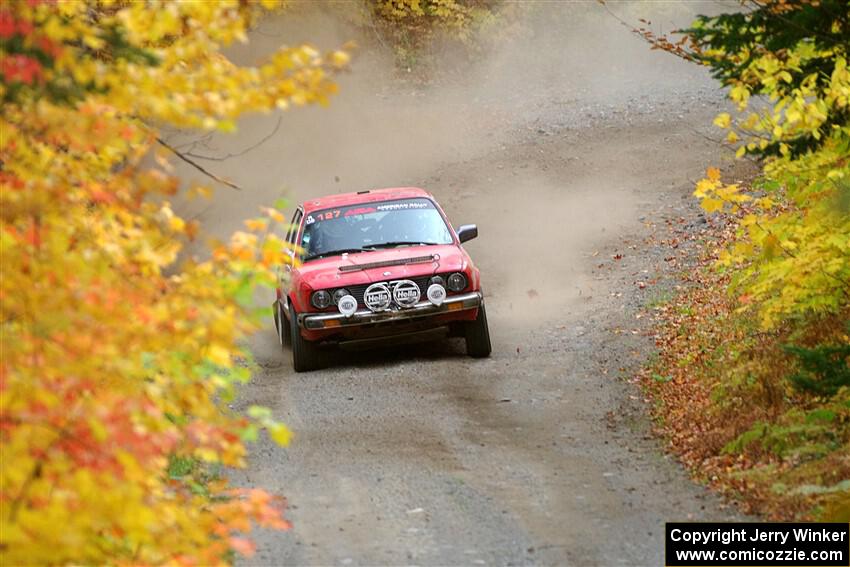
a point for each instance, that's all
(564, 147)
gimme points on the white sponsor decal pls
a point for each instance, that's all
(402, 206)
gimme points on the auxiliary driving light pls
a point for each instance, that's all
(321, 299)
(347, 305)
(457, 282)
(436, 294)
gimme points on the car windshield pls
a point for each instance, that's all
(369, 226)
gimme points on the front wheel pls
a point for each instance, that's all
(478, 336)
(305, 354)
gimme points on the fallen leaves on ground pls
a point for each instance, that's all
(723, 402)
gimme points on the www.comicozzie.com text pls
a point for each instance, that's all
(757, 534)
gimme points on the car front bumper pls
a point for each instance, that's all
(453, 303)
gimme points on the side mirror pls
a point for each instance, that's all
(467, 232)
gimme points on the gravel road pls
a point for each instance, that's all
(542, 453)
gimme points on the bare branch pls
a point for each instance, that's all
(722, 144)
(656, 41)
(197, 166)
(269, 136)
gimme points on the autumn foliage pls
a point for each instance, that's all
(117, 364)
(413, 28)
(728, 404)
(754, 377)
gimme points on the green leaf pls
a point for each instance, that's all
(249, 434)
(820, 415)
(259, 412)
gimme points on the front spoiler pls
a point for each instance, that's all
(319, 321)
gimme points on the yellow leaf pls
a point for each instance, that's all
(280, 434)
(200, 191)
(770, 244)
(711, 205)
(340, 58)
(723, 120)
(207, 454)
(177, 224)
(256, 225)
(94, 42)
(220, 355)
(765, 203)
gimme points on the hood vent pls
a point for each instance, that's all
(399, 262)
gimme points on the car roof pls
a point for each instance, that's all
(368, 196)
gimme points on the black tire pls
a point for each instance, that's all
(478, 336)
(305, 354)
(284, 332)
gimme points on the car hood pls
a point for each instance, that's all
(325, 273)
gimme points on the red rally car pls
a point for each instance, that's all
(377, 265)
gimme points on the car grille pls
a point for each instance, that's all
(358, 290)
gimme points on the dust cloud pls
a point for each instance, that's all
(532, 140)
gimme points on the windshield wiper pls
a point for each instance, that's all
(402, 243)
(335, 253)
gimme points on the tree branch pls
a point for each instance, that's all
(197, 166)
(240, 153)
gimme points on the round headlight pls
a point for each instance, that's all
(321, 299)
(457, 282)
(339, 294)
(437, 280)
